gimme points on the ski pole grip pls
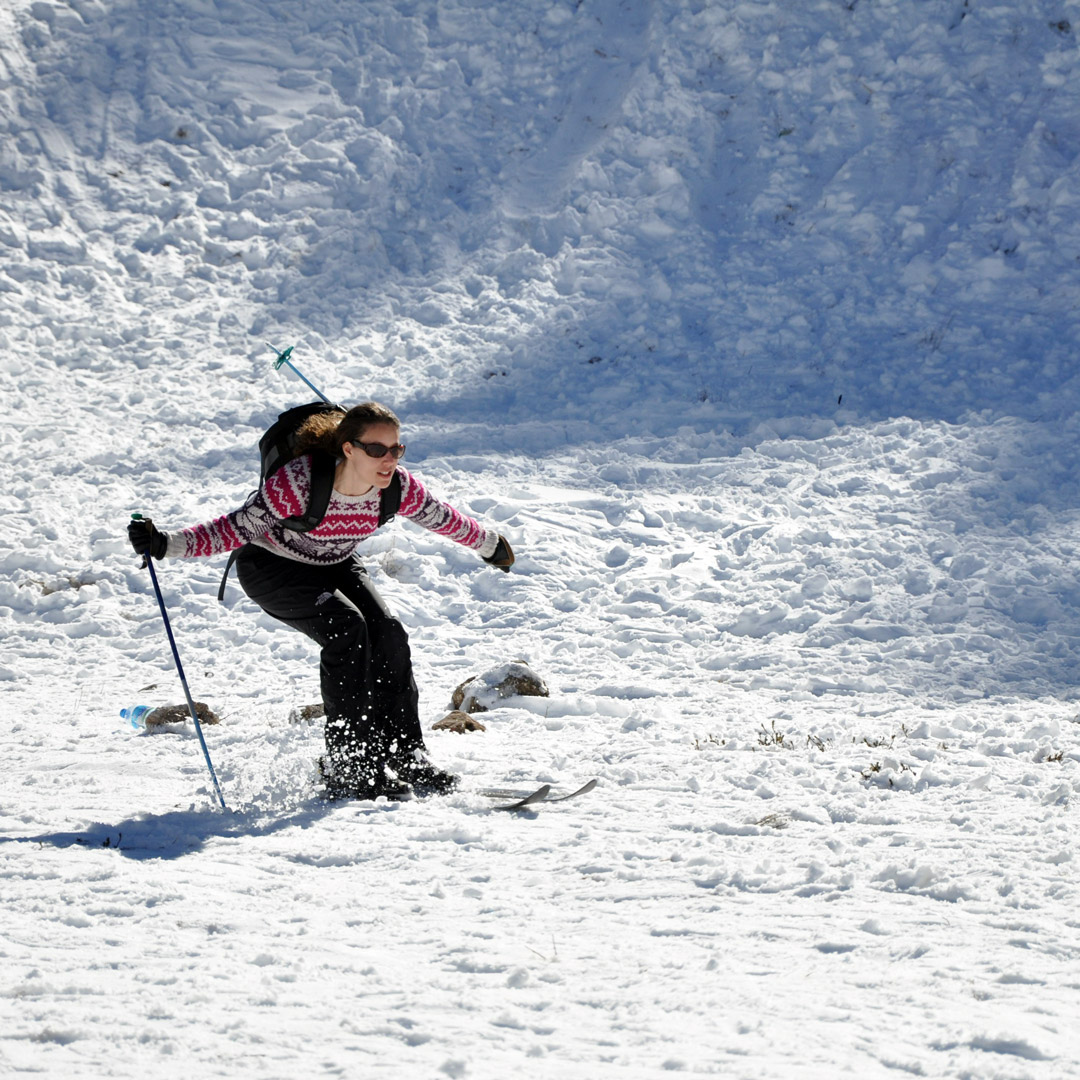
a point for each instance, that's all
(146, 558)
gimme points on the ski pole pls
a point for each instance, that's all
(148, 562)
(283, 358)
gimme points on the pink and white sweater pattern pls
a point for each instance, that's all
(349, 519)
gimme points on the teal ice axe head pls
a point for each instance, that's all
(283, 358)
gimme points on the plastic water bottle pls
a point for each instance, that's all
(137, 715)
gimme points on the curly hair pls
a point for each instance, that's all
(330, 431)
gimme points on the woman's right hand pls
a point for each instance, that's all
(145, 539)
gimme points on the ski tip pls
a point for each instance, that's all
(534, 797)
(583, 790)
(540, 795)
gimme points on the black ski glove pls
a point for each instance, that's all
(145, 539)
(502, 556)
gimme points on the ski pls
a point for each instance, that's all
(583, 790)
(524, 800)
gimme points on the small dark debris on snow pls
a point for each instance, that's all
(306, 713)
(177, 714)
(459, 722)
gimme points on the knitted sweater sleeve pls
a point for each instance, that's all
(281, 495)
(420, 506)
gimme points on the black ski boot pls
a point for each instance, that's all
(422, 776)
(354, 782)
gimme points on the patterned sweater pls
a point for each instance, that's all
(349, 519)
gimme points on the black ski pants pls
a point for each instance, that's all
(366, 666)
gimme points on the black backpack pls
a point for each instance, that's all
(277, 447)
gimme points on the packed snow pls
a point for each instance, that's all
(753, 325)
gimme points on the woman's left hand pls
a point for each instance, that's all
(502, 557)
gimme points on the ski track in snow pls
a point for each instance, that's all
(753, 327)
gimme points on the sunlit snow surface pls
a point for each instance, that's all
(754, 327)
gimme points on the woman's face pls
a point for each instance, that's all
(365, 472)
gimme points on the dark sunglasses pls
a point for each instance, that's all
(378, 450)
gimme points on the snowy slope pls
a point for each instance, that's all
(754, 326)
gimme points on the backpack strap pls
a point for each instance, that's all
(390, 500)
(322, 487)
(225, 576)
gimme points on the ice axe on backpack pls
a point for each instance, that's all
(283, 358)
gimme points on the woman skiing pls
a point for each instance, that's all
(312, 582)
